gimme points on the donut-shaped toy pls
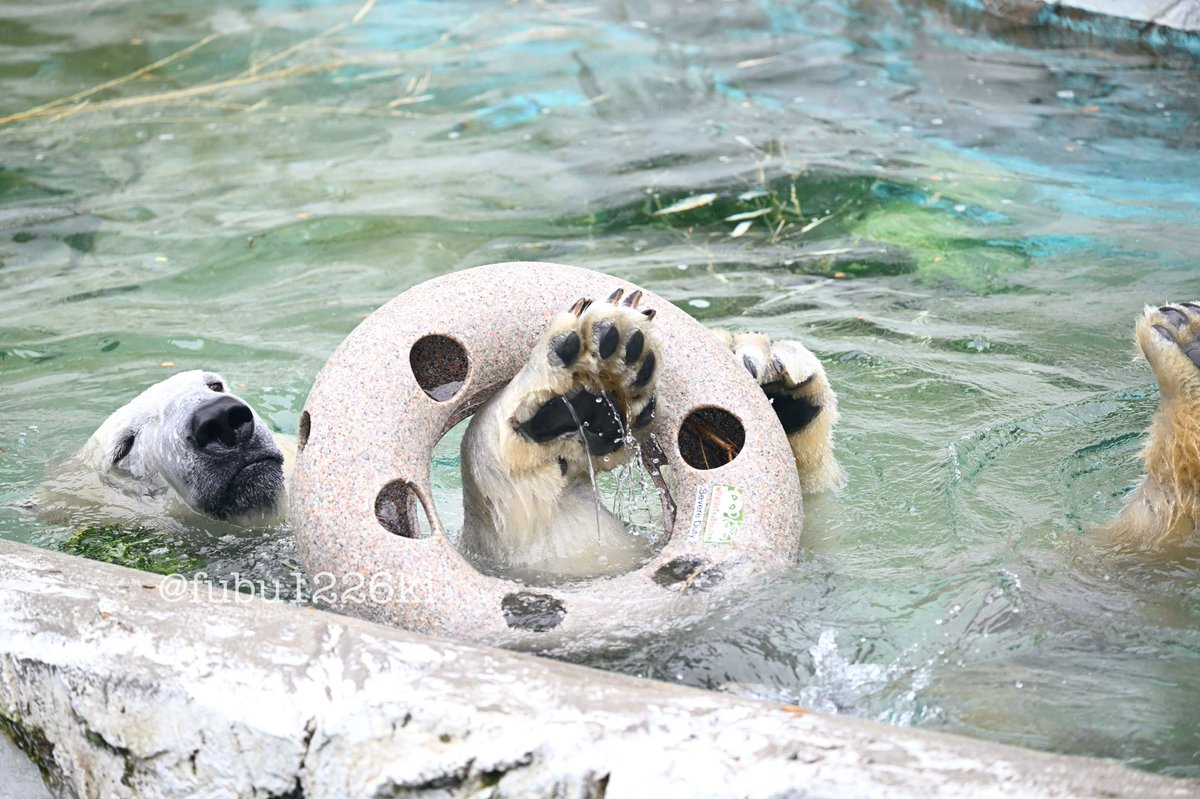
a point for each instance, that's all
(424, 362)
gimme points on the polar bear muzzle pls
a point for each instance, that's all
(242, 469)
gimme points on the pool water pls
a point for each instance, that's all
(961, 221)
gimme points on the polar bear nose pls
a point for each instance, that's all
(225, 420)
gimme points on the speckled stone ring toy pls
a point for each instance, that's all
(424, 362)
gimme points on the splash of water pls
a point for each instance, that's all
(591, 470)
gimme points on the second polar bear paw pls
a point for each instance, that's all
(597, 368)
(795, 383)
(1170, 339)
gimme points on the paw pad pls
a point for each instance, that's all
(604, 395)
(565, 348)
(607, 338)
(634, 346)
(1179, 326)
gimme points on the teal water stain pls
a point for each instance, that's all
(522, 108)
(1052, 246)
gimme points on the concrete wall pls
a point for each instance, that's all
(118, 692)
(1172, 15)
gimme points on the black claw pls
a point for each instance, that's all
(607, 338)
(565, 348)
(579, 306)
(1174, 315)
(646, 372)
(633, 299)
(634, 346)
(1166, 333)
(647, 414)
(1192, 350)
(1193, 306)
(748, 362)
(649, 313)
(615, 297)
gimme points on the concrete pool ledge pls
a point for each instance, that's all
(117, 691)
(1167, 15)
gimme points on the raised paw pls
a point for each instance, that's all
(1169, 337)
(1164, 511)
(596, 382)
(795, 383)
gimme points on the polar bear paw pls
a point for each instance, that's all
(1164, 511)
(795, 383)
(1169, 337)
(593, 377)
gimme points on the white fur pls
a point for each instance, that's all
(522, 508)
(163, 473)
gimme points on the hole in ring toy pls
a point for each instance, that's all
(427, 360)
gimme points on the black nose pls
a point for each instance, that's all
(225, 420)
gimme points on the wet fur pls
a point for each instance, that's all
(1163, 513)
(796, 385)
(527, 492)
(141, 463)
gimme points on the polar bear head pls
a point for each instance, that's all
(190, 434)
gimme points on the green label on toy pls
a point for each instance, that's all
(719, 514)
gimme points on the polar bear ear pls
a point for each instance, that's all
(122, 447)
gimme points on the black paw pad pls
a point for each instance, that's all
(1191, 306)
(525, 610)
(1174, 315)
(633, 347)
(1192, 350)
(607, 338)
(690, 571)
(748, 362)
(1165, 332)
(593, 416)
(647, 414)
(795, 413)
(565, 348)
(646, 372)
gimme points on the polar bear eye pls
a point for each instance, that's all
(122, 449)
(216, 385)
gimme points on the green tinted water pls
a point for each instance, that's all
(962, 226)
